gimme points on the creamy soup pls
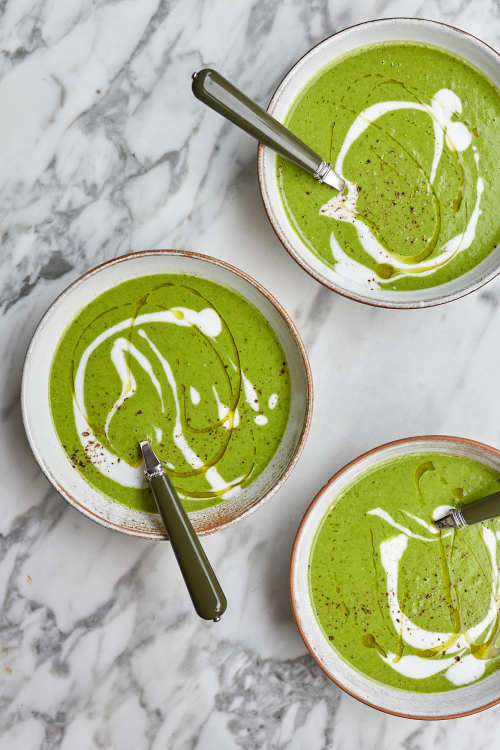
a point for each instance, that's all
(403, 602)
(184, 362)
(415, 132)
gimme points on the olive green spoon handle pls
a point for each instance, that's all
(204, 588)
(475, 512)
(215, 91)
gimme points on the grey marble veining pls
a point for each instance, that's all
(103, 149)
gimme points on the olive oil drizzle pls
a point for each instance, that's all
(385, 270)
(377, 587)
(377, 232)
(488, 649)
(452, 602)
(419, 472)
(401, 644)
(226, 423)
(368, 640)
(450, 589)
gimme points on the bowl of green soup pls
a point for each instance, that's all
(401, 615)
(180, 349)
(408, 112)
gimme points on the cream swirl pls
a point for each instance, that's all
(446, 645)
(110, 464)
(343, 206)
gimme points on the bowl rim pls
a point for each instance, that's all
(152, 535)
(288, 245)
(378, 449)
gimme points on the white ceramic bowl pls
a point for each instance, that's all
(35, 391)
(459, 42)
(446, 705)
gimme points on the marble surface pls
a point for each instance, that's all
(103, 149)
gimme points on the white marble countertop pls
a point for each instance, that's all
(104, 149)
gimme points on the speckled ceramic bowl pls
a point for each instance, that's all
(411, 705)
(459, 42)
(35, 388)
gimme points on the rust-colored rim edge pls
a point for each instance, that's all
(281, 234)
(214, 526)
(402, 441)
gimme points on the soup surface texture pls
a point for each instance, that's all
(404, 603)
(415, 132)
(179, 360)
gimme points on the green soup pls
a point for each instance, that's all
(184, 362)
(406, 604)
(415, 132)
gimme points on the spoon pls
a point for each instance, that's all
(204, 588)
(215, 91)
(475, 512)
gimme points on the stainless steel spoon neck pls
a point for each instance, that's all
(220, 95)
(459, 519)
(153, 465)
(326, 173)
